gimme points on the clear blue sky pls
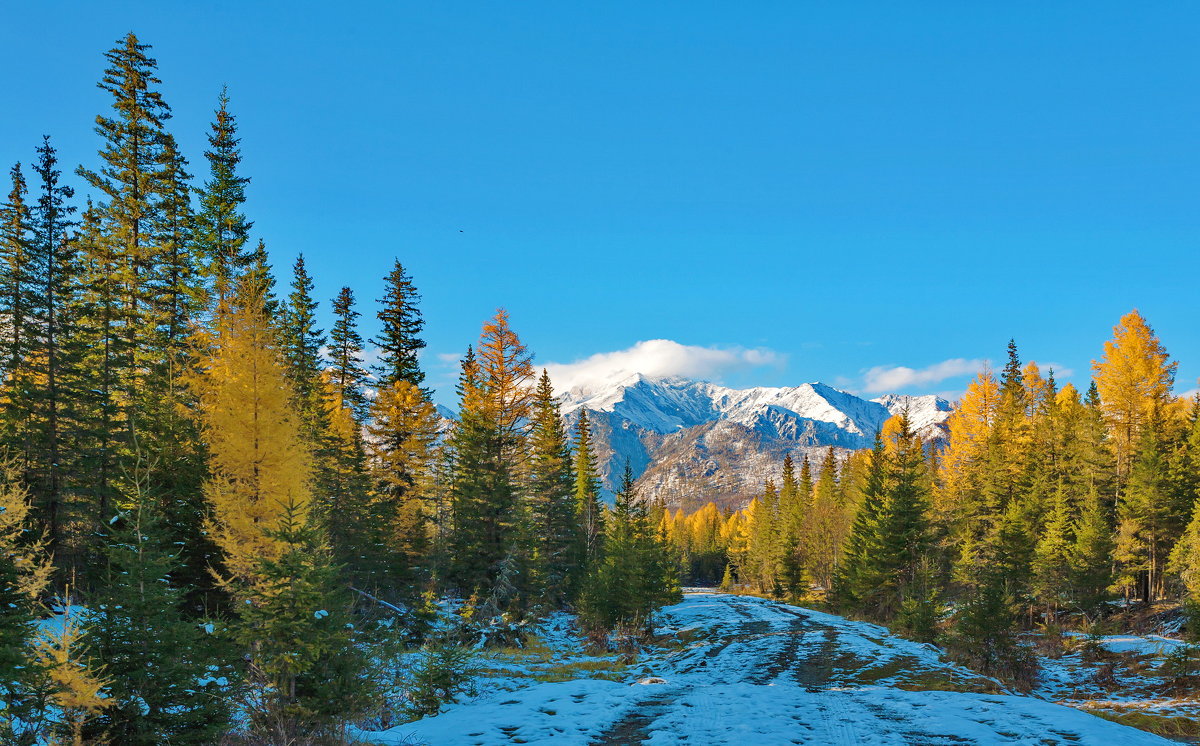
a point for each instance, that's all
(848, 185)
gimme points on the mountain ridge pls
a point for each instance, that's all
(691, 441)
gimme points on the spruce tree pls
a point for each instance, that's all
(46, 383)
(346, 354)
(14, 272)
(399, 339)
(490, 448)
(555, 530)
(160, 665)
(588, 507)
(221, 228)
(306, 663)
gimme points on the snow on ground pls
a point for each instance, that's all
(1120, 675)
(750, 672)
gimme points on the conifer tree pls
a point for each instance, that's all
(555, 532)
(1133, 378)
(403, 433)
(44, 386)
(399, 340)
(24, 575)
(1091, 556)
(161, 669)
(301, 342)
(14, 271)
(346, 354)
(221, 228)
(306, 666)
(588, 507)
(490, 450)
(635, 577)
(256, 455)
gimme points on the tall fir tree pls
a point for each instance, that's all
(346, 354)
(399, 341)
(588, 507)
(555, 530)
(489, 446)
(222, 230)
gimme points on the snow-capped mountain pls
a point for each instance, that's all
(689, 442)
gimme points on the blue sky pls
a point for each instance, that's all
(815, 191)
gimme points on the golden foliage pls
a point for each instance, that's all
(259, 464)
(77, 688)
(1133, 377)
(33, 566)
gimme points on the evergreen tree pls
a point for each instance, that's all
(308, 671)
(14, 272)
(301, 342)
(636, 575)
(490, 449)
(221, 228)
(399, 340)
(346, 353)
(588, 507)
(43, 387)
(403, 433)
(555, 533)
(159, 664)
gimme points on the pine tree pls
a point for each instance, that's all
(399, 340)
(43, 388)
(490, 450)
(346, 354)
(403, 433)
(161, 669)
(305, 664)
(14, 272)
(555, 531)
(221, 228)
(588, 507)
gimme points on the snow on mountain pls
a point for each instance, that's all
(691, 441)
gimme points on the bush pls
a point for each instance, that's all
(1181, 667)
(440, 674)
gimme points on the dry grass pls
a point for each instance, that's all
(1161, 723)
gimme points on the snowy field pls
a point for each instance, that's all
(753, 672)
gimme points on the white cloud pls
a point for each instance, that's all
(1061, 372)
(659, 357)
(891, 379)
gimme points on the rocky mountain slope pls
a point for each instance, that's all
(689, 442)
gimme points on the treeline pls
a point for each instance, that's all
(234, 522)
(1043, 503)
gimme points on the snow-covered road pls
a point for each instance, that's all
(755, 673)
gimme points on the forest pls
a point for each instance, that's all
(219, 524)
(1045, 509)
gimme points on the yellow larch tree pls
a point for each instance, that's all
(1133, 377)
(970, 427)
(260, 467)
